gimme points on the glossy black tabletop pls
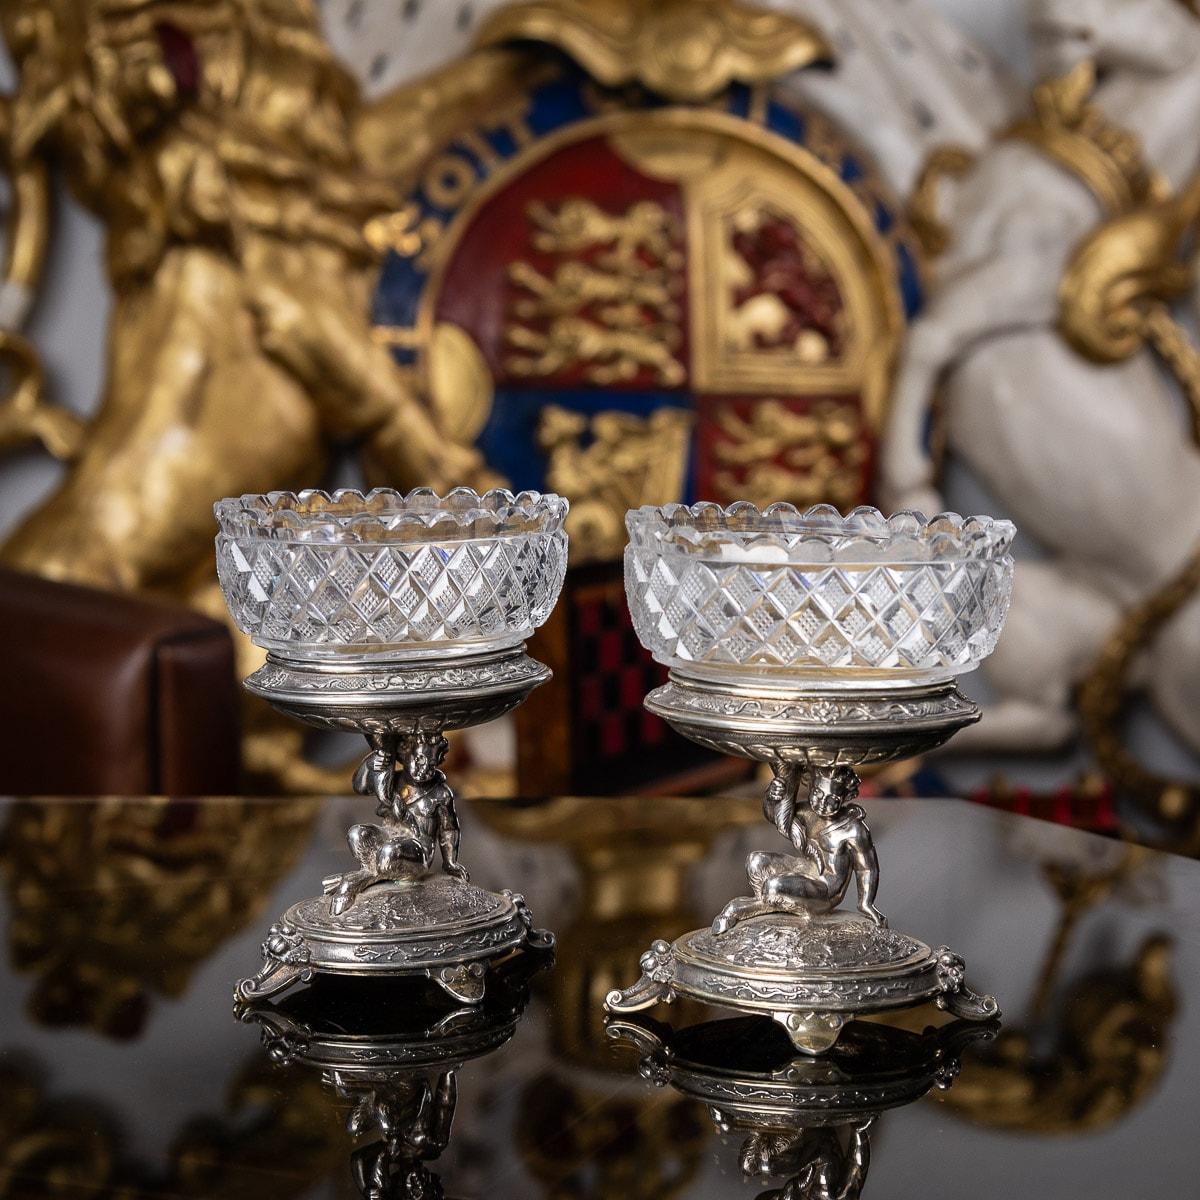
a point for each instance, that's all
(125, 1072)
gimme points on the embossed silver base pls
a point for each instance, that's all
(811, 976)
(441, 928)
(392, 1060)
(397, 913)
(785, 949)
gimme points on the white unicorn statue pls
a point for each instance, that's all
(1094, 460)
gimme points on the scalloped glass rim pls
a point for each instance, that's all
(387, 515)
(783, 534)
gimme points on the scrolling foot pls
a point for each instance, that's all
(286, 960)
(654, 986)
(956, 997)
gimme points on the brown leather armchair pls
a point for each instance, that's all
(107, 694)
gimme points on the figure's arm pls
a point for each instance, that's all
(858, 1160)
(448, 835)
(866, 872)
(445, 1098)
(779, 803)
(376, 775)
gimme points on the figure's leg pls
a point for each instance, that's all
(344, 889)
(797, 893)
(366, 843)
(761, 867)
(402, 855)
(448, 839)
(738, 909)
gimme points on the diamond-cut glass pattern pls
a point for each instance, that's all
(295, 594)
(917, 617)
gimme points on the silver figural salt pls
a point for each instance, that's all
(400, 617)
(818, 644)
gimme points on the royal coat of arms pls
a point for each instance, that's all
(632, 300)
(618, 261)
(636, 285)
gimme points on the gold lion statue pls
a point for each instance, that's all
(215, 139)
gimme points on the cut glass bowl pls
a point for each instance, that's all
(816, 599)
(348, 575)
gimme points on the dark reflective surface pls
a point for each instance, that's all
(124, 1071)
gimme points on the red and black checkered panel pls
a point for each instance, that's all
(1089, 806)
(613, 736)
(1088, 803)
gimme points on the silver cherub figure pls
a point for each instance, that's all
(417, 808)
(833, 842)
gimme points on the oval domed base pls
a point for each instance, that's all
(811, 974)
(438, 927)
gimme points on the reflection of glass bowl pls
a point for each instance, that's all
(782, 595)
(384, 574)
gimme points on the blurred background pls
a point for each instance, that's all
(915, 253)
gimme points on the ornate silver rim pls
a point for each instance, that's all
(467, 1034)
(390, 696)
(868, 725)
(391, 684)
(339, 950)
(840, 989)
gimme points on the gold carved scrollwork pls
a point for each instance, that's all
(790, 291)
(1114, 293)
(609, 463)
(608, 355)
(182, 877)
(25, 415)
(803, 458)
(1068, 128)
(244, 224)
(685, 50)
(944, 162)
(782, 294)
(1114, 301)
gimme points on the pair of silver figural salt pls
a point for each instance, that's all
(810, 641)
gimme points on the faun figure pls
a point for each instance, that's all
(419, 817)
(833, 844)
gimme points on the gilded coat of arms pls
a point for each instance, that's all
(635, 301)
